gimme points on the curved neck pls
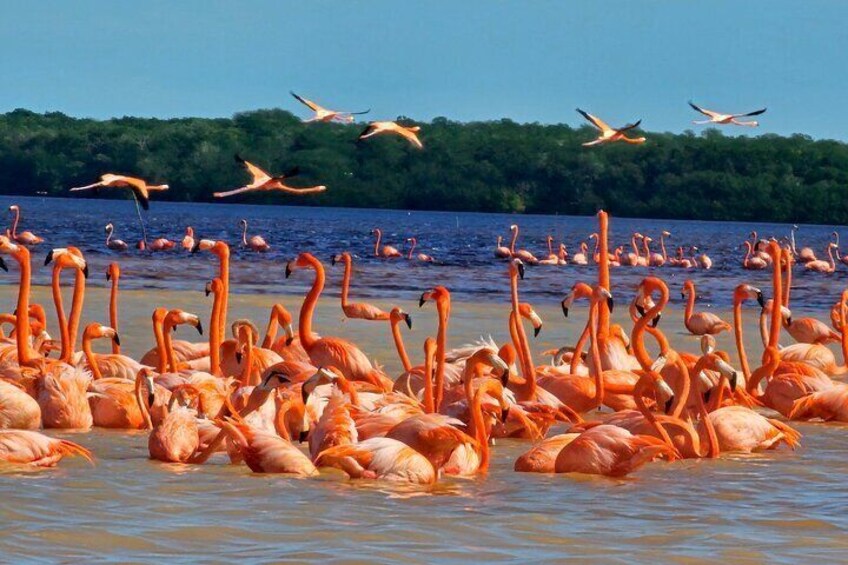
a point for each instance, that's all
(247, 361)
(401, 349)
(690, 303)
(169, 348)
(650, 417)
(603, 273)
(662, 247)
(158, 335)
(578, 349)
(477, 427)
(109, 235)
(443, 310)
(65, 354)
(528, 390)
(414, 243)
(142, 405)
(379, 235)
(635, 247)
(513, 240)
(637, 338)
(681, 396)
(550, 248)
(271, 330)
(348, 270)
(748, 255)
(645, 248)
(90, 357)
(307, 338)
(244, 233)
(113, 310)
(15, 223)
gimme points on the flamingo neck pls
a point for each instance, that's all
(635, 247)
(65, 354)
(22, 327)
(271, 329)
(513, 240)
(244, 234)
(90, 357)
(637, 338)
(142, 405)
(740, 343)
(603, 274)
(411, 249)
(595, 367)
(690, 303)
(215, 336)
(247, 362)
(401, 349)
(304, 330)
(169, 348)
(650, 417)
(109, 235)
(379, 235)
(113, 310)
(645, 248)
(662, 247)
(158, 335)
(478, 428)
(578, 349)
(443, 309)
(76, 310)
(776, 315)
(528, 390)
(348, 269)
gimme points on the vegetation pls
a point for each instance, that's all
(482, 166)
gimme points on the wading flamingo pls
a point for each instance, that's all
(723, 119)
(266, 452)
(25, 237)
(356, 310)
(264, 182)
(256, 242)
(33, 448)
(806, 254)
(421, 256)
(410, 133)
(325, 115)
(502, 252)
(754, 263)
(188, 239)
(386, 251)
(700, 323)
(608, 134)
(820, 266)
(114, 244)
(523, 254)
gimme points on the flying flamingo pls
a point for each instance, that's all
(359, 310)
(188, 239)
(325, 115)
(25, 237)
(722, 119)
(387, 251)
(608, 134)
(502, 252)
(329, 351)
(256, 242)
(700, 323)
(421, 256)
(410, 133)
(264, 182)
(140, 189)
(114, 244)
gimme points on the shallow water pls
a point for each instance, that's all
(781, 506)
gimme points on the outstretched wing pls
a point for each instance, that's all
(358, 113)
(310, 104)
(233, 192)
(139, 188)
(367, 131)
(255, 172)
(708, 113)
(754, 113)
(595, 121)
(629, 126)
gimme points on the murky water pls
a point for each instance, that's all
(781, 506)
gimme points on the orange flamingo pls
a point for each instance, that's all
(324, 115)
(25, 237)
(387, 251)
(139, 187)
(753, 263)
(410, 133)
(265, 452)
(502, 252)
(700, 323)
(264, 182)
(175, 438)
(609, 134)
(724, 119)
(25, 447)
(111, 365)
(113, 273)
(820, 266)
(423, 257)
(256, 242)
(522, 254)
(356, 310)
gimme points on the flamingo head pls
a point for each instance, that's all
(398, 315)
(526, 311)
(97, 331)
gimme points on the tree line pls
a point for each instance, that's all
(493, 166)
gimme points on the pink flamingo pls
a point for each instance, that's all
(114, 244)
(25, 237)
(256, 242)
(387, 251)
(421, 256)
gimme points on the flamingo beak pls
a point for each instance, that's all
(760, 300)
(333, 260)
(199, 327)
(238, 357)
(707, 394)
(668, 403)
(303, 436)
(85, 271)
(49, 257)
(564, 308)
(521, 271)
(116, 338)
(3, 265)
(610, 303)
(734, 379)
(504, 414)
(536, 331)
(208, 290)
(108, 276)
(422, 300)
(408, 320)
(288, 270)
(656, 321)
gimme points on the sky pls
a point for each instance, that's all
(529, 60)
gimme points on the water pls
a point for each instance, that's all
(779, 507)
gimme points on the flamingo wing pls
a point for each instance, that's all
(708, 113)
(754, 113)
(630, 126)
(595, 121)
(308, 103)
(259, 176)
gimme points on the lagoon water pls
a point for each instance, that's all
(780, 506)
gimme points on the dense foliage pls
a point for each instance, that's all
(480, 166)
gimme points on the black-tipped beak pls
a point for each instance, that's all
(208, 291)
(504, 414)
(117, 339)
(640, 310)
(760, 300)
(151, 398)
(238, 357)
(656, 321)
(564, 309)
(682, 295)
(610, 303)
(303, 436)
(200, 327)
(49, 257)
(505, 377)
(85, 271)
(707, 395)
(304, 395)
(733, 381)
(789, 321)
(421, 301)
(333, 260)
(408, 320)
(536, 331)
(108, 276)
(289, 340)
(3, 265)
(288, 270)
(521, 271)
(668, 403)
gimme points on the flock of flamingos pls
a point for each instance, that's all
(257, 398)
(254, 398)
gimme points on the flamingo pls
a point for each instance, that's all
(820, 266)
(723, 119)
(654, 259)
(703, 260)
(410, 133)
(140, 189)
(522, 254)
(700, 323)
(114, 244)
(551, 258)
(608, 134)
(581, 257)
(502, 252)
(24, 237)
(18, 410)
(359, 310)
(256, 242)
(329, 351)
(633, 259)
(387, 251)
(264, 182)
(175, 438)
(265, 452)
(806, 254)
(423, 257)
(753, 263)
(25, 447)
(113, 274)
(188, 239)
(112, 365)
(324, 115)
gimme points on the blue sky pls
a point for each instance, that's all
(527, 60)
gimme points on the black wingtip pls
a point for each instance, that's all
(238, 158)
